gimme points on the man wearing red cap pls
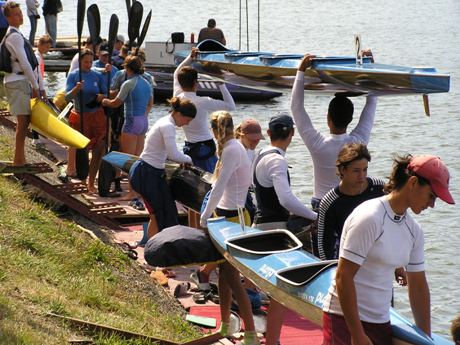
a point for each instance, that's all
(379, 236)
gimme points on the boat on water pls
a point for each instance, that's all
(207, 86)
(333, 74)
(275, 261)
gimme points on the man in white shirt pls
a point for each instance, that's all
(199, 142)
(325, 148)
(22, 83)
(275, 200)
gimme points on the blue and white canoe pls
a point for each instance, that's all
(336, 74)
(275, 262)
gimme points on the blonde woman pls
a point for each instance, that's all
(232, 178)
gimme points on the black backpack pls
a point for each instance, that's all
(5, 55)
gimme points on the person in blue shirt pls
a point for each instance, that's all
(136, 93)
(94, 125)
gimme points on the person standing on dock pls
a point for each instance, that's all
(119, 42)
(199, 144)
(32, 13)
(21, 84)
(211, 32)
(325, 148)
(275, 200)
(94, 89)
(147, 175)
(51, 8)
(379, 236)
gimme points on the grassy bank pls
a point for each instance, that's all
(48, 264)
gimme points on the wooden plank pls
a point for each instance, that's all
(30, 168)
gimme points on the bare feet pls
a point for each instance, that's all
(131, 195)
(92, 190)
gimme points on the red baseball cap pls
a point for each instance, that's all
(251, 128)
(435, 171)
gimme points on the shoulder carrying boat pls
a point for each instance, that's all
(275, 262)
(334, 74)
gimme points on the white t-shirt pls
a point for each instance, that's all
(160, 144)
(378, 240)
(231, 187)
(324, 149)
(271, 171)
(198, 129)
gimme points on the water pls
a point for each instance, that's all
(422, 32)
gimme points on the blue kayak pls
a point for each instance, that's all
(275, 261)
(334, 74)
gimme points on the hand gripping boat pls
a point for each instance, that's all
(275, 262)
(333, 74)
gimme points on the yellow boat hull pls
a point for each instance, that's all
(44, 120)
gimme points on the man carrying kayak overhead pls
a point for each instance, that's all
(199, 144)
(325, 148)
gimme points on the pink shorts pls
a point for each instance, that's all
(335, 331)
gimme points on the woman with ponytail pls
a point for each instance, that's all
(378, 237)
(232, 177)
(147, 175)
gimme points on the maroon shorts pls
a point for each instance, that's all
(94, 125)
(335, 331)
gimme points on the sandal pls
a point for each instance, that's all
(199, 297)
(137, 204)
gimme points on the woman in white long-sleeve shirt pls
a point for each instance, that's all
(232, 179)
(147, 176)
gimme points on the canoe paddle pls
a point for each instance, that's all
(81, 156)
(106, 171)
(143, 33)
(134, 22)
(128, 6)
(94, 25)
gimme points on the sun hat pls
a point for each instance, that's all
(435, 171)
(251, 129)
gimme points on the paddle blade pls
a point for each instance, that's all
(135, 19)
(80, 17)
(82, 163)
(145, 28)
(113, 30)
(94, 23)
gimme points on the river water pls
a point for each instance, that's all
(415, 33)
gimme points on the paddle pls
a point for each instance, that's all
(134, 22)
(81, 156)
(106, 171)
(143, 33)
(94, 25)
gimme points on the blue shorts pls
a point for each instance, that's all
(135, 125)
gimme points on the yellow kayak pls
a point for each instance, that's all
(44, 120)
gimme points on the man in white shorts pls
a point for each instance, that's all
(21, 84)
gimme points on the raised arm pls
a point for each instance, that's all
(177, 89)
(307, 132)
(363, 129)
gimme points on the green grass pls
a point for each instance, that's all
(49, 265)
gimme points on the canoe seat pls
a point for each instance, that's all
(301, 275)
(265, 243)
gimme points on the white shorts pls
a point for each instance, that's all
(18, 93)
